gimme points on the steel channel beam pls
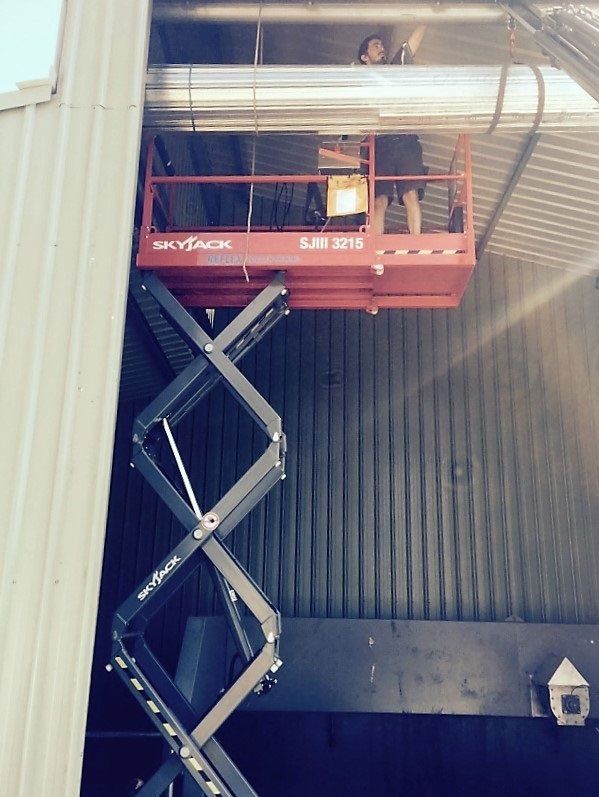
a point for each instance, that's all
(421, 667)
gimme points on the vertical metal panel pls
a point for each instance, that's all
(441, 464)
(67, 209)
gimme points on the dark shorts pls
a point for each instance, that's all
(399, 155)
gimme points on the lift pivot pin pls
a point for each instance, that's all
(210, 521)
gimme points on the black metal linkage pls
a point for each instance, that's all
(247, 589)
(169, 725)
(190, 736)
(232, 616)
(134, 613)
(244, 332)
(219, 759)
(162, 778)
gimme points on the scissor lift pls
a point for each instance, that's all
(336, 266)
(331, 266)
(191, 737)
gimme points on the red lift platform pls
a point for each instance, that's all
(331, 266)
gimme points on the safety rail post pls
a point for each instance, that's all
(148, 208)
(461, 196)
(371, 182)
(189, 736)
(452, 188)
(469, 193)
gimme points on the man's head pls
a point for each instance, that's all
(372, 50)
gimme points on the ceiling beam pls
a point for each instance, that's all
(378, 13)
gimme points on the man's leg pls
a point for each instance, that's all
(378, 218)
(413, 212)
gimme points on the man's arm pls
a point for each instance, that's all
(415, 38)
(407, 49)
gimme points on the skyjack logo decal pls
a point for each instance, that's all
(158, 577)
(191, 243)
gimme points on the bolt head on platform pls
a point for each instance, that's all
(276, 437)
(287, 311)
(185, 752)
(198, 533)
(209, 347)
(284, 292)
(378, 268)
(108, 668)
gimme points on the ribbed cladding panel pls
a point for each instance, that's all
(67, 208)
(441, 464)
(552, 214)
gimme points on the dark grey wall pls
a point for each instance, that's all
(354, 755)
(442, 464)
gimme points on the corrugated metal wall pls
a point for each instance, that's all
(66, 204)
(441, 465)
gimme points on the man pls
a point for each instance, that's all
(396, 154)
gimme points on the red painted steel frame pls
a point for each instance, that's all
(340, 268)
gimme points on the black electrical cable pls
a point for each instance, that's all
(283, 198)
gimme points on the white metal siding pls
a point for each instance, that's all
(66, 207)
